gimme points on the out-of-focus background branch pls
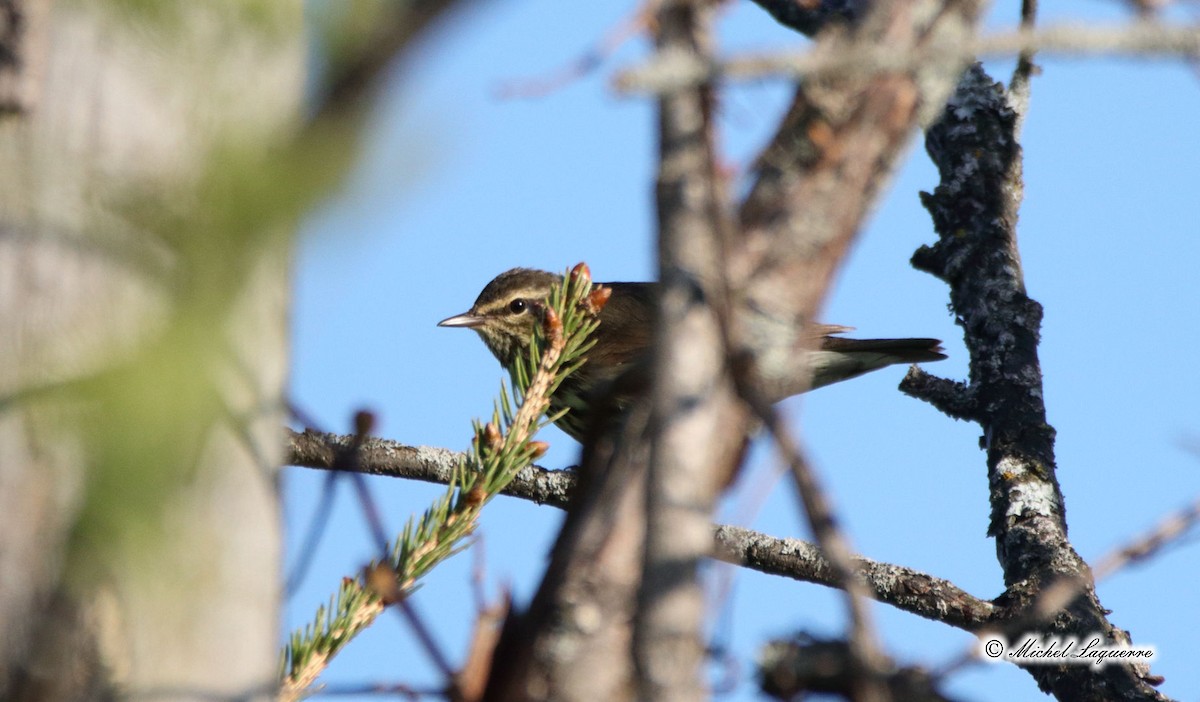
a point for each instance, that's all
(156, 165)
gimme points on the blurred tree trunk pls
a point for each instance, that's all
(144, 346)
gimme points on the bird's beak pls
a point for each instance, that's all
(466, 319)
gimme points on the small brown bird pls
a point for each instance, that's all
(504, 315)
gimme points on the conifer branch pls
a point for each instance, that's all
(499, 450)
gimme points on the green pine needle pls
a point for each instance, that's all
(442, 529)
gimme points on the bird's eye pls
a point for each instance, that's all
(517, 306)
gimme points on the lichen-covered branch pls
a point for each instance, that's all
(430, 464)
(922, 594)
(974, 212)
(911, 590)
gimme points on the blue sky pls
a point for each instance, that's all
(456, 185)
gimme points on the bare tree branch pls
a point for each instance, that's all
(951, 397)
(976, 255)
(910, 590)
(1019, 86)
(430, 464)
(925, 595)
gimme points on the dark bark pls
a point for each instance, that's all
(809, 18)
(790, 669)
(975, 147)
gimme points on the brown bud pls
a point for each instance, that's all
(381, 580)
(537, 449)
(491, 436)
(553, 327)
(581, 272)
(821, 134)
(597, 299)
(364, 422)
(475, 497)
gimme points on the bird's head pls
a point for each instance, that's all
(506, 314)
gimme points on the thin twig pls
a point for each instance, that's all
(364, 422)
(1018, 86)
(404, 605)
(1060, 594)
(864, 646)
(626, 29)
(1172, 527)
(312, 537)
(1020, 89)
